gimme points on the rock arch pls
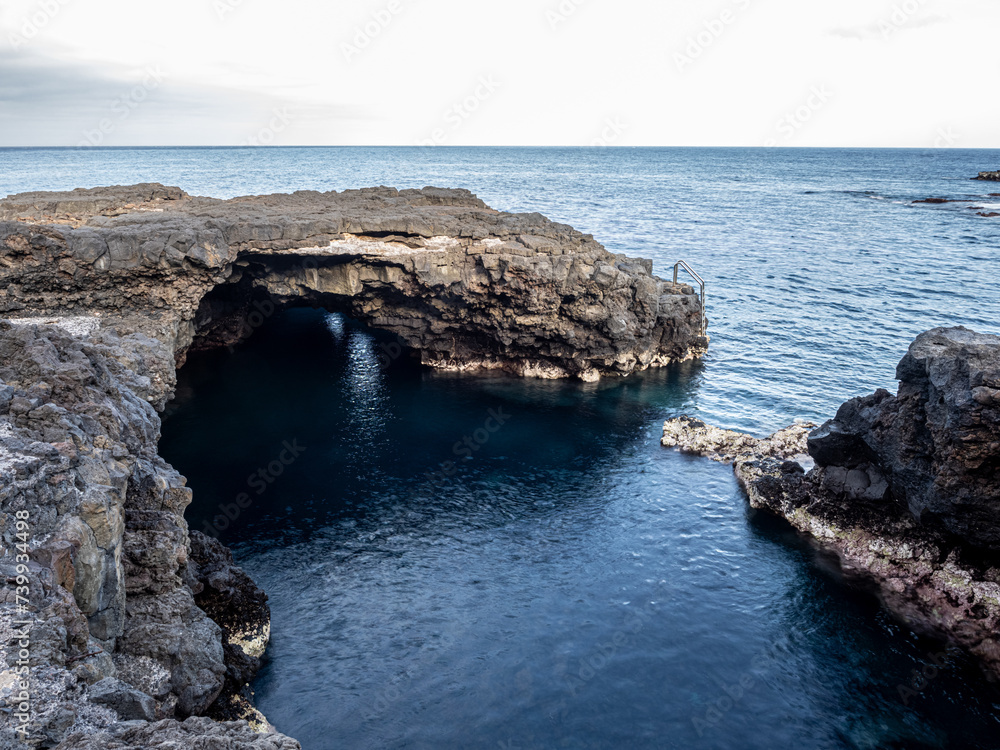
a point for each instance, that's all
(467, 287)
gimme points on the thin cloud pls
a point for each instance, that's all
(886, 28)
(46, 100)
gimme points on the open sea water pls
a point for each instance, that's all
(571, 584)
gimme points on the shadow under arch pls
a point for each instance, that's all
(375, 422)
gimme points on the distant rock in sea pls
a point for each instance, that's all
(991, 176)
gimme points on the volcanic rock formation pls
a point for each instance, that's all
(131, 626)
(904, 489)
(464, 286)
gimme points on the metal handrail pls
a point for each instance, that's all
(681, 264)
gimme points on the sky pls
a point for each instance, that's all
(878, 73)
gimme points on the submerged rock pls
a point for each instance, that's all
(904, 490)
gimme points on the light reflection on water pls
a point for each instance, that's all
(335, 324)
(365, 389)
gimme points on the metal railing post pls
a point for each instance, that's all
(701, 282)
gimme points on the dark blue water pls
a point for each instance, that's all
(571, 584)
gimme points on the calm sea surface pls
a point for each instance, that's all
(572, 584)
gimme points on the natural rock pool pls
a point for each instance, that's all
(569, 584)
(574, 584)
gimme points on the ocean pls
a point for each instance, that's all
(573, 584)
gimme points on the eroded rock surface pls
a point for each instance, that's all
(109, 601)
(937, 442)
(235, 603)
(904, 488)
(464, 286)
(170, 734)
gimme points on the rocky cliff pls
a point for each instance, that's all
(93, 525)
(904, 489)
(463, 286)
(934, 448)
(119, 627)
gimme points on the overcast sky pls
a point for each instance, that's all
(914, 73)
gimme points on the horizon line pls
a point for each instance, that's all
(481, 146)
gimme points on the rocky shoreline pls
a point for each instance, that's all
(121, 627)
(903, 489)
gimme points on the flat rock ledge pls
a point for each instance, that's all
(903, 490)
(463, 287)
